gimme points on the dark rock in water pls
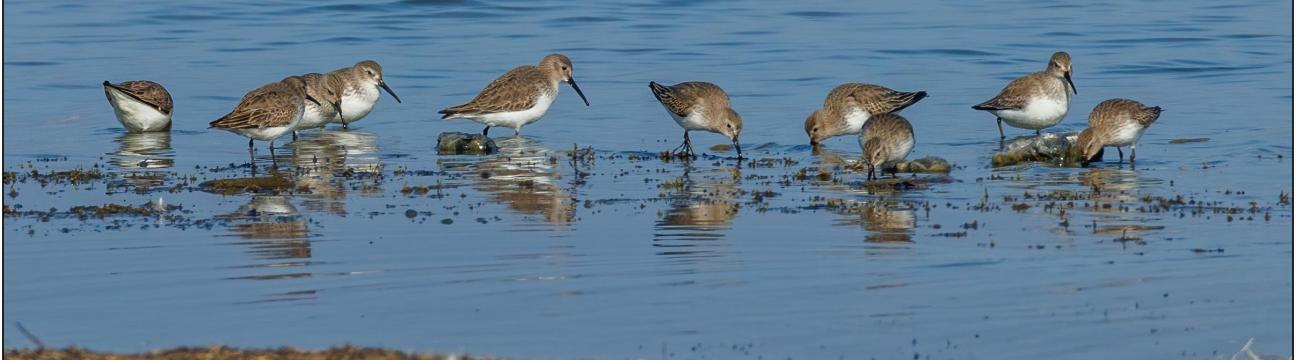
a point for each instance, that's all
(1056, 149)
(456, 143)
(930, 164)
(1189, 140)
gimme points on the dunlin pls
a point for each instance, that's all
(268, 112)
(1115, 122)
(702, 106)
(140, 105)
(360, 90)
(848, 106)
(519, 97)
(327, 89)
(1035, 101)
(886, 137)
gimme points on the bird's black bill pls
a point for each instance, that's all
(1067, 76)
(338, 106)
(389, 91)
(311, 99)
(738, 148)
(572, 82)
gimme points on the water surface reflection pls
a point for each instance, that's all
(332, 163)
(702, 207)
(523, 175)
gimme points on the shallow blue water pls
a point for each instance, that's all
(641, 257)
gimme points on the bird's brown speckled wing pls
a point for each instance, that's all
(276, 104)
(1015, 95)
(1107, 113)
(683, 97)
(516, 90)
(877, 99)
(148, 92)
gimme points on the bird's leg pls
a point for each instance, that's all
(486, 131)
(1132, 146)
(688, 144)
(1001, 133)
(870, 172)
(1121, 155)
(683, 147)
(252, 157)
(294, 135)
(273, 161)
(517, 132)
(1037, 132)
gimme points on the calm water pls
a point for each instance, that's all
(530, 254)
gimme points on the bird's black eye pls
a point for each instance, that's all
(564, 68)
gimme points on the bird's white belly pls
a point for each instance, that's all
(693, 121)
(896, 153)
(1039, 113)
(855, 120)
(357, 103)
(270, 133)
(137, 116)
(902, 151)
(263, 134)
(1126, 135)
(516, 119)
(313, 117)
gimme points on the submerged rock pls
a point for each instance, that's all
(267, 184)
(891, 184)
(930, 164)
(456, 143)
(1056, 149)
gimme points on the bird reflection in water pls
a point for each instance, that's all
(1111, 183)
(702, 208)
(271, 226)
(139, 156)
(885, 222)
(521, 175)
(331, 163)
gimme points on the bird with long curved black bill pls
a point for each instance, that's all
(360, 90)
(886, 138)
(519, 97)
(1115, 123)
(697, 105)
(848, 106)
(328, 89)
(268, 112)
(1034, 101)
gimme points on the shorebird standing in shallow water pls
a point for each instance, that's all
(702, 106)
(1034, 101)
(140, 105)
(327, 89)
(519, 97)
(886, 137)
(268, 112)
(848, 106)
(360, 90)
(1115, 122)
